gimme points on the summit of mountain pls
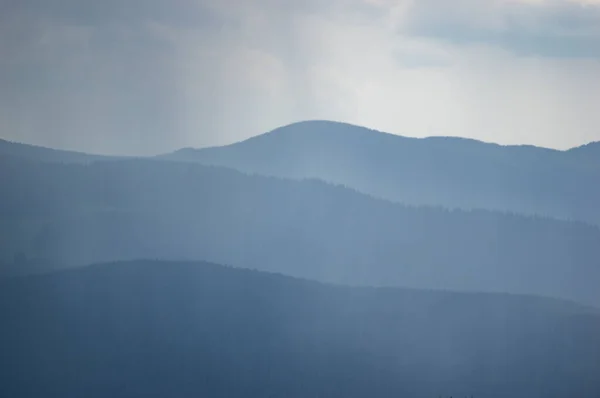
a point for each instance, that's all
(439, 171)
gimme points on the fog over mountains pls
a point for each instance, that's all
(128, 209)
(441, 171)
(430, 267)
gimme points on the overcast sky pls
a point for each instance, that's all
(150, 76)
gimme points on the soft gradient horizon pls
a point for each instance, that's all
(143, 77)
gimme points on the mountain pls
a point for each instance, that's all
(152, 329)
(53, 215)
(450, 172)
(38, 153)
(591, 151)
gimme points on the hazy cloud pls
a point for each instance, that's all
(148, 76)
(554, 28)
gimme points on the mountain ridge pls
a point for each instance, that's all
(152, 265)
(4, 143)
(47, 154)
(450, 172)
(326, 123)
(117, 210)
(148, 328)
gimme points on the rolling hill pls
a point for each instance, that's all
(152, 329)
(43, 154)
(449, 172)
(59, 214)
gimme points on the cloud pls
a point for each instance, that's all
(148, 76)
(552, 28)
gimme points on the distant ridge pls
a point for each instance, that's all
(439, 171)
(590, 148)
(128, 209)
(16, 147)
(44, 154)
(325, 124)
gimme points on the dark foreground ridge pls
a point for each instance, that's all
(154, 329)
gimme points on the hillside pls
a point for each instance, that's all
(42, 154)
(450, 172)
(57, 214)
(591, 151)
(149, 329)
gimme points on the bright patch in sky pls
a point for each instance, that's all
(143, 77)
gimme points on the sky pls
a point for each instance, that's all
(143, 77)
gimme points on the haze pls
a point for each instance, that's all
(234, 199)
(146, 77)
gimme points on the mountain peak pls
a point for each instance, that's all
(343, 132)
(322, 128)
